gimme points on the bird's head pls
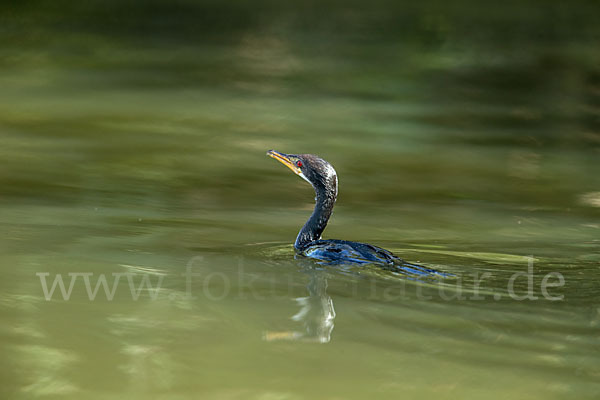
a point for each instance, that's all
(316, 171)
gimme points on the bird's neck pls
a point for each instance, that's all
(314, 227)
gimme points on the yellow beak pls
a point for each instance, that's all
(285, 160)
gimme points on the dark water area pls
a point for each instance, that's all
(466, 137)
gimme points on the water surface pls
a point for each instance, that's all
(133, 140)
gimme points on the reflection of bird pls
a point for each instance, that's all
(323, 178)
(316, 312)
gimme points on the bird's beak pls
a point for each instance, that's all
(285, 160)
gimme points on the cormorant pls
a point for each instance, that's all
(323, 178)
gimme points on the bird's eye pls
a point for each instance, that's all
(298, 163)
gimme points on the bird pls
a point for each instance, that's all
(323, 178)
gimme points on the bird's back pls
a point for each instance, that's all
(335, 252)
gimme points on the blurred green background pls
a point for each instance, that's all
(466, 135)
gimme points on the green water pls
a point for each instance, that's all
(133, 138)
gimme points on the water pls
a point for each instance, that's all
(133, 147)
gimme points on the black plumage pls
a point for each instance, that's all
(323, 178)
